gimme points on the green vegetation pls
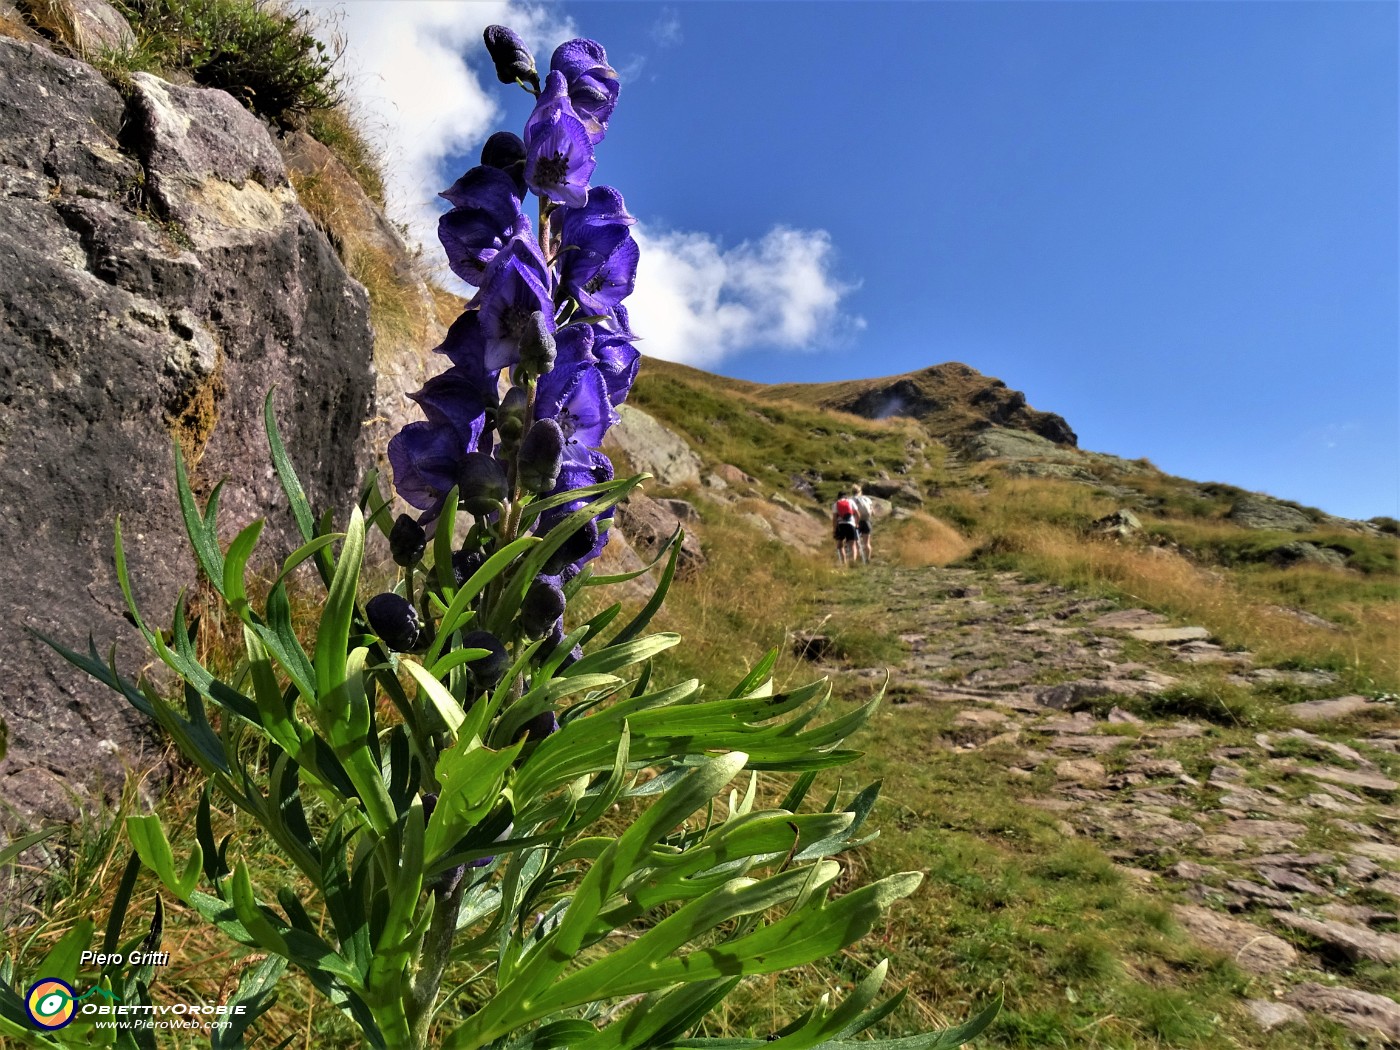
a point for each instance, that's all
(727, 421)
(261, 54)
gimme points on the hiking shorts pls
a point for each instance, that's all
(864, 528)
(845, 532)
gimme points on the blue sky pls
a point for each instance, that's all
(1175, 224)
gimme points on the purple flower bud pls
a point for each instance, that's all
(541, 726)
(407, 541)
(512, 58)
(394, 620)
(465, 563)
(541, 456)
(577, 547)
(481, 483)
(488, 671)
(483, 861)
(510, 417)
(541, 607)
(506, 150)
(537, 344)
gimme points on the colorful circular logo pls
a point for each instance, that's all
(50, 1003)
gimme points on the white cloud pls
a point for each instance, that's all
(421, 103)
(414, 93)
(697, 302)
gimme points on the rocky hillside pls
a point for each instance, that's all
(952, 401)
(171, 257)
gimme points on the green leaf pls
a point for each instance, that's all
(148, 839)
(639, 623)
(19, 845)
(201, 529)
(470, 778)
(286, 473)
(256, 994)
(61, 961)
(333, 636)
(113, 934)
(437, 694)
(456, 613)
(239, 551)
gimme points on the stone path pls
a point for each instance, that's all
(1280, 848)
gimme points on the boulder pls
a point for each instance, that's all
(160, 278)
(652, 447)
(1371, 1015)
(1249, 946)
(96, 27)
(1121, 523)
(1300, 552)
(1255, 511)
(1334, 708)
(648, 524)
(734, 476)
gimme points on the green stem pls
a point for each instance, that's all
(435, 952)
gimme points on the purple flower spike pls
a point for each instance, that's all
(485, 216)
(576, 399)
(593, 84)
(559, 158)
(425, 458)
(515, 286)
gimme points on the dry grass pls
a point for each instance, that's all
(923, 540)
(401, 316)
(1365, 650)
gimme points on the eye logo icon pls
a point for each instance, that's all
(50, 1003)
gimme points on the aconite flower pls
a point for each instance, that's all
(592, 83)
(559, 158)
(577, 399)
(618, 360)
(598, 261)
(512, 58)
(425, 457)
(514, 287)
(394, 620)
(485, 215)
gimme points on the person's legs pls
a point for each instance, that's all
(863, 543)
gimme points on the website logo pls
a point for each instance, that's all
(50, 1003)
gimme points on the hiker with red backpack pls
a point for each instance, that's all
(864, 511)
(844, 519)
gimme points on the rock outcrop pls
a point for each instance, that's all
(653, 447)
(160, 278)
(951, 400)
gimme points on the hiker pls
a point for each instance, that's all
(864, 511)
(844, 529)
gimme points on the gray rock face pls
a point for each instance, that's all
(1250, 947)
(1263, 512)
(651, 447)
(648, 524)
(1364, 1012)
(160, 277)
